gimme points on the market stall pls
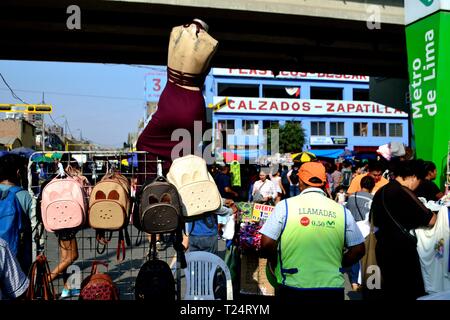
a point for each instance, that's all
(253, 279)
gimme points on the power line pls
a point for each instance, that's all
(66, 124)
(54, 121)
(78, 95)
(143, 66)
(68, 128)
(10, 89)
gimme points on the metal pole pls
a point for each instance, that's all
(43, 124)
(43, 132)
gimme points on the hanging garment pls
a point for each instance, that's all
(178, 108)
(235, 169)
(433, 248)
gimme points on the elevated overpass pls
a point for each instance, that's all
(306, 35)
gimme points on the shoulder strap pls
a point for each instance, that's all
(139, 238)
(40, 288)
(262, 185)
(101, 238)
(178, 246)
(207, 220)
(12, 190)
(402, 229)
(94, 266)
(15, 189)
(152, 254)
(123, 237)
(372, 226)
(357, 207)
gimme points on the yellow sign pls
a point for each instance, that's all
(220, 104)
(26, 108)
(261, 212)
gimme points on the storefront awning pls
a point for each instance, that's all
(328, 153)
(365, 149)
(247, 154)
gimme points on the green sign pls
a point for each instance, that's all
(429, 74)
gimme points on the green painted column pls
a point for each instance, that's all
(428, 45)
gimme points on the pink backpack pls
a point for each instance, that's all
(63, 204)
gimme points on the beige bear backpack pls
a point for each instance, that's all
(197, 189)
(109, 203)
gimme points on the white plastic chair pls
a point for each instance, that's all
(200, 271)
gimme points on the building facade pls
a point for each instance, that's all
(20, 129)
(334, 111)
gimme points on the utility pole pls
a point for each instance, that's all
(65, 131)
(66, 125)
(43, 125)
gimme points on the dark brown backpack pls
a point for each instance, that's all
(98, 286)
(159, 207)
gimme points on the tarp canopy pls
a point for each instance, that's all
(328, 153)
(244, 153)
(23, 151)
(230, 156)
(46, 157)
(304, 156)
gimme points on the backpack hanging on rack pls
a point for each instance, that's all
(63, 204)
(197, 189)
(40, 287)
(155, 280)
(98, 286)
(109, 210)
(109, 204)
(158, 208)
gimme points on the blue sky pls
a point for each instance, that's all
(103, 101)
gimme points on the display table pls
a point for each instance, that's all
(253, 279)
(253, 276)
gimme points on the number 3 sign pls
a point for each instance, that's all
(154, 84)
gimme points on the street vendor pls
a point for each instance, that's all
(304, 240)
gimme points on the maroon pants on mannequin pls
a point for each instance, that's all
(178, 108)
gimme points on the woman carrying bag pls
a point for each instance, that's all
(264, 191)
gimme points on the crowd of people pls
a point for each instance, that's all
(389, 191)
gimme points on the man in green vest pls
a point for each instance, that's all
(309, 238)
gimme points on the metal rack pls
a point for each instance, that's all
(125, 272)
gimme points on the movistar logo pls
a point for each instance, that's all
(427, 2)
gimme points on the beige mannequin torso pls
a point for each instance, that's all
(190, 50)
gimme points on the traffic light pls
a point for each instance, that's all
(5, 108)
(39, 108)
(26, 108)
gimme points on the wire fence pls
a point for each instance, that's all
(94, 165)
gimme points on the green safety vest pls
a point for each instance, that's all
(311, 246)
(235, 169)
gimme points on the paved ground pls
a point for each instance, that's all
(123, 273)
